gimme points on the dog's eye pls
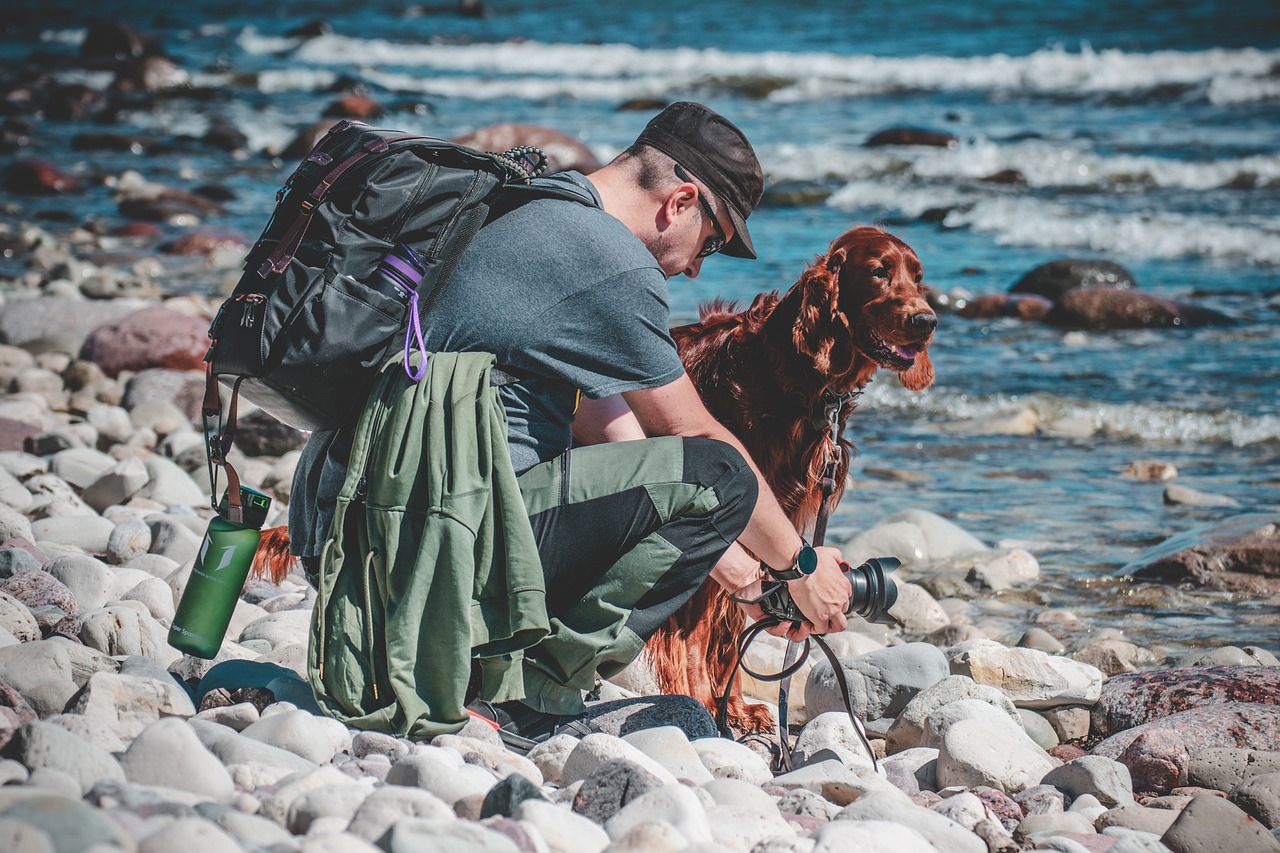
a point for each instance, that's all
(919, 277)
(880, 272)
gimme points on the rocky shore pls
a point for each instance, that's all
(996, 726)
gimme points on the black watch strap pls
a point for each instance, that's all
(806, 563)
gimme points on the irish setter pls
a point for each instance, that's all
(768, 374)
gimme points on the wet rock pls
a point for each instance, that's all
(563, 151)
(109, 43)
(306, 139)
(1186, 496)
(225, 136)
(1150, 470)
(1211, 824)
(204, 243)
(1134, 699)
(1051, 280)
(1229, 724)
(73, 102)
(167, 205)
(100, 141)
(353, 105)
(1098, 309)
(152, 337)
(39, 177)
(1027, 306)
(1239, 554)
(911, 136)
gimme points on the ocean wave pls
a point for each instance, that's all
(796, 76)
(1039, 163)
(1054, 415)
(1025, 221)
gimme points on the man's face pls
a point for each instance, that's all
(694, 233)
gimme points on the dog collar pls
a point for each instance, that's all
(806, 564)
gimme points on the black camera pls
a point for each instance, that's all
(873, 593)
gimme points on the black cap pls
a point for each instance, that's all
(254, 505)
(713, 150)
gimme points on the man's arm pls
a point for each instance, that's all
(676, 409)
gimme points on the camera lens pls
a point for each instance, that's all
(874, 592)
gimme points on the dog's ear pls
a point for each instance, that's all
(920, 375)
(821, 331)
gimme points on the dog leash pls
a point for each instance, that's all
(833, 408)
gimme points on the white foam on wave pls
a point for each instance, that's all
(1026, 221)
(1041, 164)
(794, 76)
(523, 88)
(71, 37)
(1143, 421)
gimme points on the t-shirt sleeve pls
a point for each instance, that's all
(613, 336)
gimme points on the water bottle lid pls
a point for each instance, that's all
(254, 503)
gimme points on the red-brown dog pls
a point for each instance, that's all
(768, 374)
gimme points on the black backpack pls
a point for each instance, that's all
(310, 322)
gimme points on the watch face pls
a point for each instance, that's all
(807, 561)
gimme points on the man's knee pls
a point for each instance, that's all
(719, 465)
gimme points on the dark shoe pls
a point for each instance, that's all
(522, 728)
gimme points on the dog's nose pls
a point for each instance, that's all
(925, 321)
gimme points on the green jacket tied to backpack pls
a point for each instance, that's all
(430, 560)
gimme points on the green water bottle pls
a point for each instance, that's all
(218, 576)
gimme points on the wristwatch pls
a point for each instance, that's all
(806, 563)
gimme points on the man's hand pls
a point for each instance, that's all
(824, 595)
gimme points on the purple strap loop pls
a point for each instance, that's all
(414, 334)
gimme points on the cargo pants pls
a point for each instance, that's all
(626, 533)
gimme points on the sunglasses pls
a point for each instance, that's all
(712, 244)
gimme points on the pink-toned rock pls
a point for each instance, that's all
(1066, 752)
(1023, 306)
(39, 177)
(25, 545)
(1002, 806)
(1230, 724)
(152, 337)
(1157, 761)
(38, 588)
(136, 231)
(563, 151)
(14, 433)
(1135, 698)
(204, 243)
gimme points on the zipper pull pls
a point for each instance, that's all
(362, 488)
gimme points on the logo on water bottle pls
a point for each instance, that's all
(228, 552)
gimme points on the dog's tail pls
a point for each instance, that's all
(272, 559)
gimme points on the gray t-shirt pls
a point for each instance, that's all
(567, 298)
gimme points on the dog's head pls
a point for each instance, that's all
(862, 306)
